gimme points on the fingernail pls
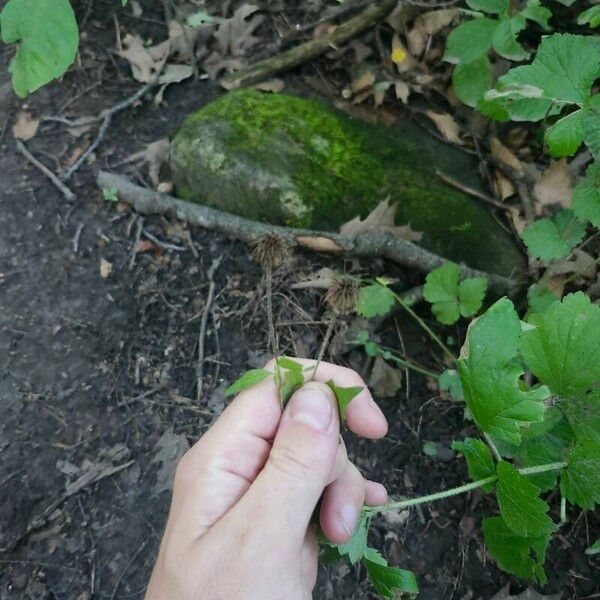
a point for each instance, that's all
(348, 517)
(311, 406)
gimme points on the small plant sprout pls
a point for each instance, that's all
(270, 251)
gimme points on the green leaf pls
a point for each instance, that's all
(590, 16)
(388, 581)
(594, 548)
(450, 299)
(110, 194)
(449, 381)
(494, 7)
(520, 504)
(47, 36)
(535, 12)
(505, 35)
(563, 349)
(540, 298)
(550, 239)
(583, 415)
(479, 460)
(470, 41)
(290, 382)
(516, 554)
(563, 71)
(580, 481)
(344, 396)
(375, 300)
(287, 363)
(586, 196)
(124, 2)
(356, 546)
(495, 109)
(472, 80)
(496, 396)
(566, 135)
(545, 443)
(591, 126)
(247, 380)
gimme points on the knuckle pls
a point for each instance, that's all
(291, 464)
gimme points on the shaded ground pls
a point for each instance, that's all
(98, 372)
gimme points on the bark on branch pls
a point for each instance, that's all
(304, 52)
(371, 244)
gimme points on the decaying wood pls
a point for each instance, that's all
(371, 244)
(302, 53)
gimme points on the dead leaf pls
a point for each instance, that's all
(168, 451)
(428, 24)
(528, 594)
(385, 381)
(319, 244)
(381, 219)
(235, 35)
(446, 125)
(26, 126)
(518, 221)
(271, 85)
(582, 263)
(400, 55)
(555, 186)
(144, 65)
(105, 268)
(155, 155)
(323, 279)
(144, 246)
(402, 91)
(504, 186)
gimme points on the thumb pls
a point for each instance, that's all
(300, 462)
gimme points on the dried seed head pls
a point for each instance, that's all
(270, 250)
(342, 296)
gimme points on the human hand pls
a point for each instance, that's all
(244, 495)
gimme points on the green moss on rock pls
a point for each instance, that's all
(286, 160)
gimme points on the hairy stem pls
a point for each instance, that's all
(491, 444)
(324, 345)
(401, 504)
(270, 319)
(426, 327)
(413, 367)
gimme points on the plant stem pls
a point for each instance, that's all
(401, 504)
(416, 368)
(324, 345)
(269, 286)
(426, 327)
(491, 444)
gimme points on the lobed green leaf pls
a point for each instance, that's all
(375, 300)
(247, 380)
(470, 40)
(586, 196)
(479, 460)
(550, 239)
(388, 581)
(580, 481)
(344, 396)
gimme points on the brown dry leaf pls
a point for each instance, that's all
(26, 126)
(155, 155)
(528, 594)
(582, 263)
(504, 186)
(323, 279)
(319, 244)
(271, 85)
(144, 246)
(555, 186)
(517, 219)
(400, 55)
(144, 66)
(428, 24)
(385, 381)
(236, 34)
(105, 268)
(382, 219)
(446, 125)
(402, 91)
(362, 85)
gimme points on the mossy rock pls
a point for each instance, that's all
(290, 161)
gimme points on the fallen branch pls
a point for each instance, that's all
(371, 244)
(64, 190)
(307, 51)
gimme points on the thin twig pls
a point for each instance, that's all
(107, 116)
(203, 323)
(161, 244)
(64, 190)
(76, 238)
(470, 191)
(371, 244)
(138, 235)
(521, 184)
(270, 319)
(311, 49)
(126, 568)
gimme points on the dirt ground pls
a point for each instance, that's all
(97, 371)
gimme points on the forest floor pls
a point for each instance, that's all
(98, 347)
